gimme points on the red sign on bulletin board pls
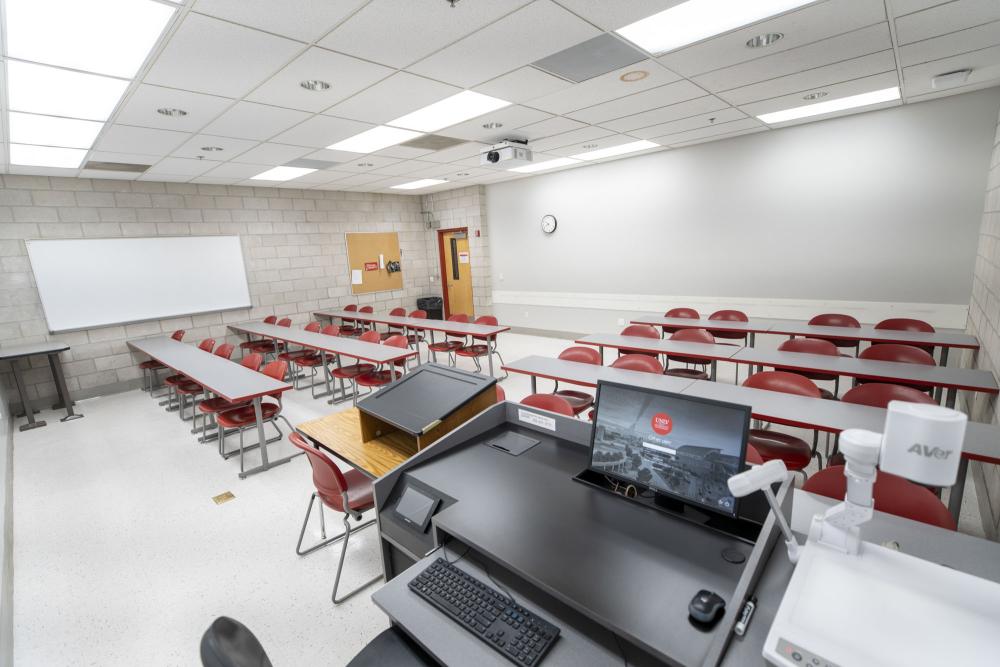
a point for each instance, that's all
(371, 266)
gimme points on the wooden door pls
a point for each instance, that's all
(456, 272)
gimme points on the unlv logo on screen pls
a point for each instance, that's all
(662, 423)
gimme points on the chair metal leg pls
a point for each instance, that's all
(322, 522)
(340, 564)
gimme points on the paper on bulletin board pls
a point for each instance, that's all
(355, 276)
(463, 258)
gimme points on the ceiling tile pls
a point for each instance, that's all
(247, 120)
(945, 18)
(719, 137)
(672, 93)
(404, 167)
(393, 97)
(112, 175)
(238, 170)
(700, 133)
(945, 46)
(985, 66)
(698, 105)
(521, 85)
(362, 163)
(140, 108)
(462, 152)
(215, 180)
(359, 179)
(321, 131)
(142, 140)
(605, 87)
(593, 145)
(806, 25)
(403, 152)
(547, 128)
(207, 55)
(182, 167)
(902, 7)
(538, 30)
(230, 147)
(713, 118)
(272, 154)
(573, 137)
(346, 76)
(398, 33)
(862, 42)
(836, 91)
(614, 15)
(510, 118)
(305, 20)
(127, 158)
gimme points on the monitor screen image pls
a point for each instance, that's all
(681, 446)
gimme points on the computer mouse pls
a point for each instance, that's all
(706, 606)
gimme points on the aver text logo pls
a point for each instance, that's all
(929, 452)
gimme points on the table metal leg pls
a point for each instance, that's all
(714, 368)
(944, 363)
(534, 384)
(752, 338)
(489, 346)
(266, 464)
(958, 490)
(600, 348)
(25, 402)
(952, 394)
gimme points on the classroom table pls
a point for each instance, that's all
(50, 350)
(711, 353)
(487, 331)
(751, 327)
(227, 379)
(336, 345)
(340, 434)
(950, 378)
(588, 375)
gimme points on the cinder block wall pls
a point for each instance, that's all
(292, 240)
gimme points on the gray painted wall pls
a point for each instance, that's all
(6, 536)
(881, 206)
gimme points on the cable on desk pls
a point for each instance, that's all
(444, 549)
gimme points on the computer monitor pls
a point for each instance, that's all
(682, 446)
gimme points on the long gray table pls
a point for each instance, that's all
(711, 353)
(588, 375)
(222, 377)
(950, 378)
(751, 327)
(50, 350)
(485, 331)
(943, 339)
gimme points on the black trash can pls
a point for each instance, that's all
(433, 305)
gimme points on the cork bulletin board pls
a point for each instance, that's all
(368, 256)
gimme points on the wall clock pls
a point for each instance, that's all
(549, 224)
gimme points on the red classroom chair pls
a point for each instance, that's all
(815, 346)
(548, 402)
(638, 362)
(394, 328)
(908, 324)
(262, 346)
(770, 444)
(475, 350)
(349, 326)
(206, 345)
(578, 400)
(212, 406)
(193, 389)
(151, 367)
(837, 320)
(349, 373)
(685, 313)
(690, 336)
(245, 417)
(640, 331)
(386, 373)
(907, 354)
(451, 342)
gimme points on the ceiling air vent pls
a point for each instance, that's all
(433, 142)
(600, 55)
(116, 166)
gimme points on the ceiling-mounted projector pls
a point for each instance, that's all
(506, 153)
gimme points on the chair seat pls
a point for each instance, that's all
(578, 400)
(149, 365)
(309, 360)
(690, 373)
(217, 404)
(828, 395)
(190, 387)
(822, 377)
(795, 452)
(177, 379)
(360, 495)
(293, 355)
(446, 346)
(245, 415)
(688, 360)
(352, 371)
(262, 346)
(392, 648)
(473, 351)
(377, 378)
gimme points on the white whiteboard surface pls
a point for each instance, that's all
(85, 283)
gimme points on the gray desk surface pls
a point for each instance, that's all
(223, 377)
(870, 333)
(661, 346)
(970, 379)
(458, 328)
(588, 375)
(31, 349)
(753, 326)
(351, 347)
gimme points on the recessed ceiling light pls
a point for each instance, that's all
(314, 84)
(374, 139)
(634, 75)
(696, 20)
(767, 39)
(168, 111)
(422, 183)
(29, 128)
(492, 126)
(211, 149)
(542, 166)
(57, 92)
(621, 149)
(110, 37)
(831, 106)
(46, 156)
(281, 174)
(449, 111)
(815, 96)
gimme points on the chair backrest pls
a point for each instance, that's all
(270, 319)
(252, 361)
(398, 312)
(331, 330)
(638, 362)
(313, 327)
(228, 643)
(276, 369)
(285, 322)
(729, 316)
(753, 456)
(351, 307)
(501, 394)
(895, 352)
(371, 337)
(640, 330)
(207, 345)
(905, 324)
(786, 383)
(399, 340)
(178, 335)
(458, 317)
(327, 478)
(693, 336)
(892, 494)
(809, 346)
(225, 350)
(878, 395)
(584, 355)
(419, 314)
(686, 313)
(835, 320)
(488, 320)
(366, 309)
(549, 402)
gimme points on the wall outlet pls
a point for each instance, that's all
(621, 321)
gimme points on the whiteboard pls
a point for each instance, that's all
(85, 283)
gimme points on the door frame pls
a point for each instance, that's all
(442, 264)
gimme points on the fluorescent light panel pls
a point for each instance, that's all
(416, 185)
(695, 20)
(104, 36)
(450, 111)
(611, 151)
(57, 92)
(46, 156)
(28, 128)
(832, 106)
(281, 174)
(548, 164)
(374, 139)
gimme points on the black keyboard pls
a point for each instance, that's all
(510, 629)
